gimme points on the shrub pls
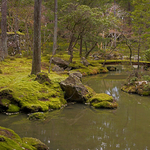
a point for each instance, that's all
(147, 55)
(146, 77)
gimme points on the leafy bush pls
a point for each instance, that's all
(147, 55)
(146, 77)
(133, 79)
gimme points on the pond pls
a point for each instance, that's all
(80, 127)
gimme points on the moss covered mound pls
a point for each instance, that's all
(7, 101)
(35, 143)
(138, 87)
(10, 140)
(43, 78)
(28, 95)
(103, 100)
(37, 116)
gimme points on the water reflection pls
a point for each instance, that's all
(80, 127)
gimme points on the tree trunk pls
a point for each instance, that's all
(16, 27)
(55, 29)
(70, 44)
(129, 10)
(81, 45)
(139, 45)
(55, 35)
(36, 61)
(3, 49)
(87, 54)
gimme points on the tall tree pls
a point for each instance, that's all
(55, 33)
(140, 22)
(36, 61)
(55, 29)
(3, 49)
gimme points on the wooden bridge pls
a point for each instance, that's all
(126, 62)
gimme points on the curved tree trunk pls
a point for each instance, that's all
(87, 54)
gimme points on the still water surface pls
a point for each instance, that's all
(79, 127)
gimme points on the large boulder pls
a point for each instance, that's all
(56, 68)
(111, 68)
(85, 62)
(78, 74)
(74, 89)
(60, 62)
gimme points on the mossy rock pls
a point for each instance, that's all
(101, 97)
(8, 102)
(111, 68)
(13, 108)
(143, 92)
(9, 140)
(43, 78)
(103, 100)
(31, 107)
(129, 88)
(37, 116)
(105, 104)
(90, 93)
(35, 143)
(140, 89)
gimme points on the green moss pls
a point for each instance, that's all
(103, 100)
(146, 93)
(91, 92)
(9, 140)
(37, 116)
(76, 65)
(13, 33)
(5, 102)
(13, 108)
(90, 70)
(35, 143)
(129, 88)
(32, 96)
(43, 78)
(101, 97)
(105, 104)
(10, 134)
(9, 144)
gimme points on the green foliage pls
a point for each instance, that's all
(81, 20)
(147, 55)
(146, 78)
(133, 79)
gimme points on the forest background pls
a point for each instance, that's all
(83, 27)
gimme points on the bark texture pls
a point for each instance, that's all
(36, 61)
(3, 49)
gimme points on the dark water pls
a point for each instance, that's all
(79, 127)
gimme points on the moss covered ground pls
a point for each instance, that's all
(19, 91)
(9, 140)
